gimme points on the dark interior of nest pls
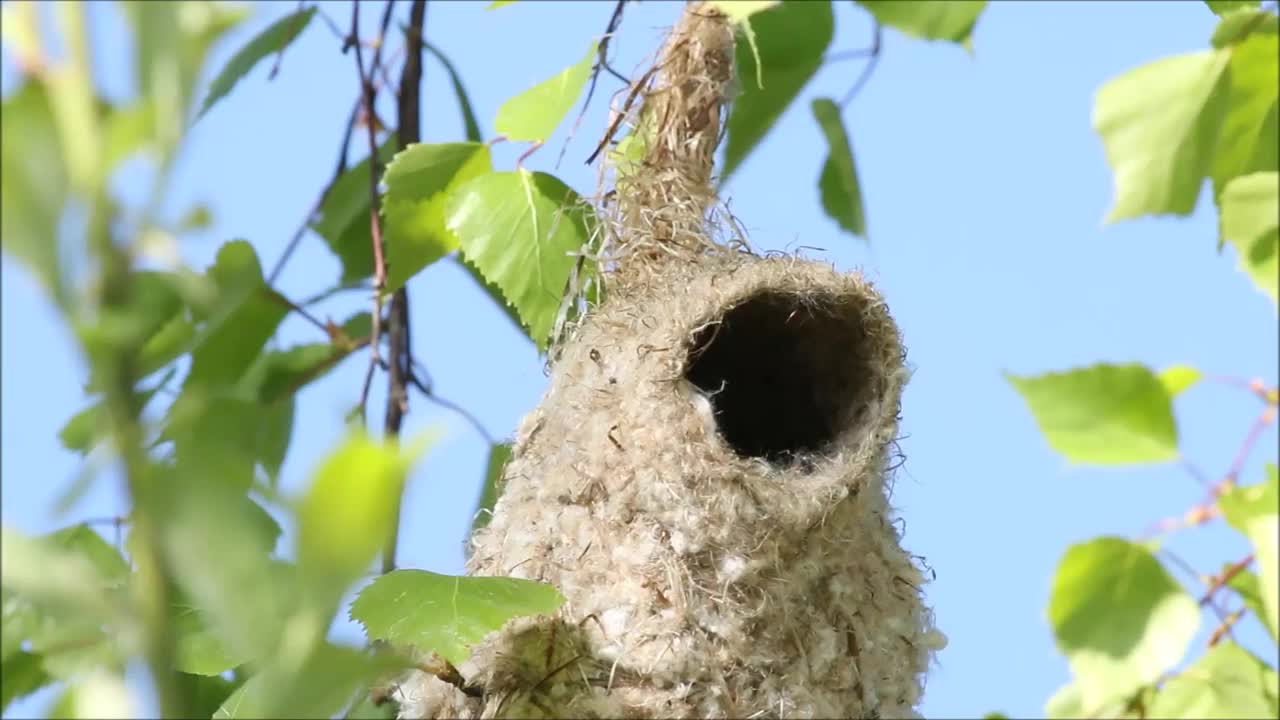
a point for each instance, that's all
(785, 375)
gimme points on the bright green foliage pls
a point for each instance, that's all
(446, 614)
(1226, 682)
(1246, 585)
(1250, 219)
(1250, 136)
(21, 674)
(519, 229)
(290, 370)
(274, 39)
(499, 455)
(349, 511)
(419, 180)
(790, 40)
(1103, 414)
(498, 4)
(533, 115)
(1240, 24)
(35, 185)
(1177, 378)
(1159, 125)
(739, 10)
(1119, 617)
(86, 427)
(1222, 7)
(838, 184)
(200, 648)
(951, 20)
(246, 316)
(344, 217)
(323, 684)
(1255, 511)
(469, 122)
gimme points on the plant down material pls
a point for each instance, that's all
(705, 478)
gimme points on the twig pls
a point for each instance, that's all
(375, 224)
(319, 203)
(1217, 582)
(873, 57)
(326, 294)
(449, 405)
(1265, 418)
(602, 62)
(400, 347)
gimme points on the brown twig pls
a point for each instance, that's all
(275, 66)
(602, 62)
(1217, 582)
(400, 348)
(873, 57)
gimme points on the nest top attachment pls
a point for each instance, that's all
(664, 200)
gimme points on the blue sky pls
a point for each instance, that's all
(985, 189)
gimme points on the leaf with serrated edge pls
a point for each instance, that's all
(533, 115)
(1250, 205)
(1103, 414)
(1119, 617)
(418, 181)
(950, 20)
(519, 230)
(446, 614)
(1226, 682)
(1159, 126)
(275, 38)
(791, 39)
(838, 184)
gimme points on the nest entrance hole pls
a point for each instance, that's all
(785, 375)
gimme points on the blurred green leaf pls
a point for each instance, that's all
(20, 30)
(1177, 378)
(1250, 220)
(533, 115)
(446, 614)
(469, 122)
(273, 39)
(519, 228)
(1222, 7)
(499, 456)
(349, 512)
(128, 130)
(1250, 137)
(219, 438)
(1226, 682)
(838, 184)
(204, 693)
(20, 675)
(498, 4)
(419, 181)
(86, 427)
(200, 649)
(791, 39)
(739, 10)
(290, 370)
(1255, 511)
(35, 186)
(1159, 126)
(951, 20)
(1119, 617)
(1241, 24)
(1103, 414)
(1067, 703)
(247, 316)
(343, 220)
(324, 684)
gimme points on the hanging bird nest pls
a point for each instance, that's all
(705, 478)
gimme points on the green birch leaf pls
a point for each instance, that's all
(20, 675)
(274, 39)
(1119, 617)
(1226, 682)
(838, 184)
(1103, 414)
(446, 614)
(950, 20)
(419, 181)
(739, 10)
(1250, 138)
(343, 220)
(1159, 126)
(1249, 221)
(533, 115)
(1224, 7)
(1247, 586)
(519, 230)
(1241, 24)
(790, 41)
(1177, 378)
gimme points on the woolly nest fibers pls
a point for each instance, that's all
(705, 478)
